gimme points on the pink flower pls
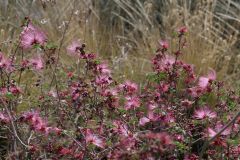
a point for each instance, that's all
(111, 97)
(4, 118)
(3, 91)
(164, 44)
(6, 63)
(24, 63)
(132, 102)
(37, 63)
(169, 118)
(187, 103)
(188, 67)
(109, 92)
(204, 112)
(168, 60)
(121, 128)
(163, 62)
(37, 123)
(190, 78)
(164, 138)
(143, 121)
(204, 80)
(127, 142)
(152, 106)
(219, 127)
(65, 151)
(74, 48)
(195, 91)
(15, 90)
(182, 30)
(235, 151)
(89, 56)
(190, 157)
(163, 87)
(151, 116)
(52, 93)
(32, 35)
(212, 132)
(103, 69)
(129, 87)
(179, 137)
(103, 80)
(94, 139)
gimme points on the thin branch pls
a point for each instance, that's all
(13, 125)
(218, 134)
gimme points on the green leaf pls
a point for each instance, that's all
(51, 45)
(174, 34)
(156, 77)
(181, 147)
(9, 95)
(234, 142)
(232, 105)
(122, 110)
(97, 61)
(37, 46)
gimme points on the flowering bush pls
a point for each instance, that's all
(54, 111)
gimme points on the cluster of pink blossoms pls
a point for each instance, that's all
(204, 112)
(31, 36)
(37, 123)
(5, 63)
(93, 116)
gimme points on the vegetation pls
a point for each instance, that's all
(119, 92)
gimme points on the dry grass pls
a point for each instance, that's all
(126, 32)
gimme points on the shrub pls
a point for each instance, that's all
(54, 111)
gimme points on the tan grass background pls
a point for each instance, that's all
(126, 32)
